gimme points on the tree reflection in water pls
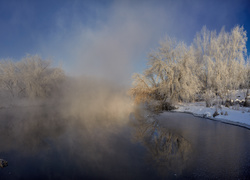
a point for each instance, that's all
(168, 151)
(29, 130)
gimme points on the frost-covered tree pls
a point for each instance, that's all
(171, 74)
(221, 59)
(31, 77)
(213, 65)
(8, 78)
(163, 67)
(247, 75)
(37, 76)
(143, 88)
(237, 67)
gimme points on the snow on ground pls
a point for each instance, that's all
(236, 115)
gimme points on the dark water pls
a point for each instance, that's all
(41, 143)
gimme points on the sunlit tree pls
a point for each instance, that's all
(213, 65)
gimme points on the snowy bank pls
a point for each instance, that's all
(233, 115)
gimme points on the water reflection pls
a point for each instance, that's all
(29, 130)
(168, 151)
(44, 143)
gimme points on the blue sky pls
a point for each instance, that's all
(108, 38)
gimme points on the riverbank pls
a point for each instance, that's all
(235, 115)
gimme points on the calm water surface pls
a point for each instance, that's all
(41, 143)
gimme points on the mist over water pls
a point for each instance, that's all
(68, 142)
(89, 98)
(67, 136)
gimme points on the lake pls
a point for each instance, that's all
(42, 143)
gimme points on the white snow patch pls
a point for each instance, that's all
(239, 117)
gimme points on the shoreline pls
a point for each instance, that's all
(225, 121)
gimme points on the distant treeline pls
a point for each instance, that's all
(31, 77)
(211, 66)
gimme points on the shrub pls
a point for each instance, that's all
(228, 103)
(215, 114)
